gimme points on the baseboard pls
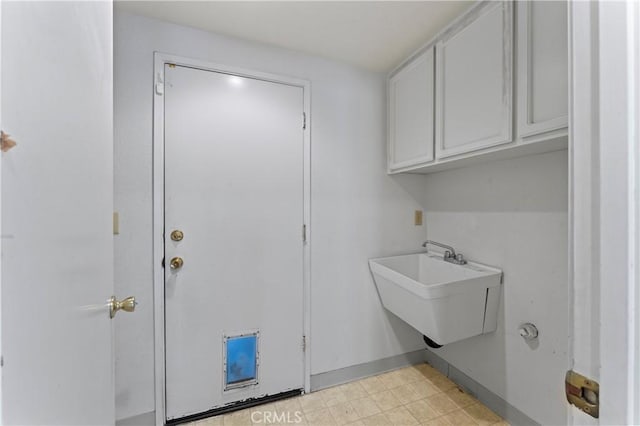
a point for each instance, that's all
(498, 405)
(144, 419)
(355, 372)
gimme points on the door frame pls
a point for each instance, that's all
(604, 207)
(1, 122)
(160, 59)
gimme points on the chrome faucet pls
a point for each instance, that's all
(450, 253)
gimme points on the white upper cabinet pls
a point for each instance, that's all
(474, 82)
(542, 66)
(411, 98)
(464, 103)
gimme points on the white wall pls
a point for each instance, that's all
(512, 214)
(357, 211)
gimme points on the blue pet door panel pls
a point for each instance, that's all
(240, 360)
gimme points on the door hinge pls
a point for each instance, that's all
(304, 343)
(304, 120)
(583, 392)
(1, 361)
(304, 233)
(116, 223)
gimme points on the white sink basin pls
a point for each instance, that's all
(445, 302)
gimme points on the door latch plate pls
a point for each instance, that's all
(583, 392)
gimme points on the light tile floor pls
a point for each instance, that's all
(417, 395)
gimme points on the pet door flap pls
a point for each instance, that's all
(240, 360)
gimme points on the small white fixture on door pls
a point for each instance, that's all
(446, 302)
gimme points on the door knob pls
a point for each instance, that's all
(176, 263)
(127, 305)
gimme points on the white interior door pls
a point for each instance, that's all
(234, 188)
(604, 119)
(57, 204)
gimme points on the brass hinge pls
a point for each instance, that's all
(304, 233)
(583, 392)
(116, 223)
(304, 120)
(304, 343)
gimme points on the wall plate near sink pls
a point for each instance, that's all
(444, 301)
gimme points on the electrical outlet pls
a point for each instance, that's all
(418, 218)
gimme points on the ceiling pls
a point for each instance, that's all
(376, 35)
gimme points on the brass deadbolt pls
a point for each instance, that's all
(177, 235)
(127, 305)
(176, 263)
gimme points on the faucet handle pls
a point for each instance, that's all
(447, 254)
(459, 259)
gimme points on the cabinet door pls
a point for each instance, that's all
(411, 113)
(542, 66)
(474, 82)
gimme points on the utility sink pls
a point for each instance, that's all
(444, 301)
